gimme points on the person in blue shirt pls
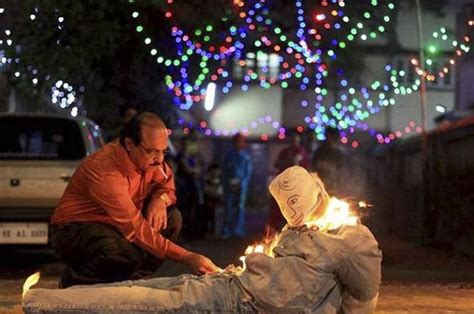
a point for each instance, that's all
(237, 171)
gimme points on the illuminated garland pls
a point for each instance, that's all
(379, 137)
(192, 92)
(62, 93)
(340, 115)
(301, 62)
(460, 50)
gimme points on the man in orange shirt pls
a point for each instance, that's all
(115, 220)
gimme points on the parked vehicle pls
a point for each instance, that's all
(38, 155)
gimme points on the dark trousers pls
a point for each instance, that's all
(98, 253)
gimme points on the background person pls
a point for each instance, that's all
(116, 219)
(237, 171)
(126, 113)
(292, 155)
(190, 165)
(213, 197)
(329, 161)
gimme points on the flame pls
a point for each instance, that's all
(338, 213)
(363, 204)
(266, 247)
(30, 282)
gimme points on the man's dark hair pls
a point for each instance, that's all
(213, 166)
(237, 137)
(123, 109)
(132, 130)
(331, 133)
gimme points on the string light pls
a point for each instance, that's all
(253, 45)
(297, 52)
(62, 93)
(254, 18)
(459, 50)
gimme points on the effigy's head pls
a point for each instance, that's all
(300, 195)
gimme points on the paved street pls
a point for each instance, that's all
(414, 280)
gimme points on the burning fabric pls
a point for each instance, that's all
(324, 261)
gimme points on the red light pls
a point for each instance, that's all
(299, 129)
(355, 144)
(264, 137)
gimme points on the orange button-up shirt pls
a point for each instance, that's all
(108, 188)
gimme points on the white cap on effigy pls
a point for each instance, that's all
(299, 194)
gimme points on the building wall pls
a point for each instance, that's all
(407, 29)
(407, 107)
(431, 207)
(255, 109)
(465, 81)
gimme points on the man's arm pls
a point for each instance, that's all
(162, 197)
(165, 188)
(360, 271)
(249, 167)
(110, 191)
(352, 305)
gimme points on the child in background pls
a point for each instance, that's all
(213, 197)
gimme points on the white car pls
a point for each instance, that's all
(38, 155)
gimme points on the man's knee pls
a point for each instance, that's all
(99, 253)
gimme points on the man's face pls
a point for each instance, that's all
(240, 143)
(296, 139)
(150, 153)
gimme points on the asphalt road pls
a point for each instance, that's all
(415, 280)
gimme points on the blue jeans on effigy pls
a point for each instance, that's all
(234, 219)
(186, 293)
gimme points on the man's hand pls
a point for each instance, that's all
(200, 264)
(156, 214)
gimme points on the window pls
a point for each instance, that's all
(45, 138)
(263, 64)
(403, 63)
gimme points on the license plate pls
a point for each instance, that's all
(23, 233)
